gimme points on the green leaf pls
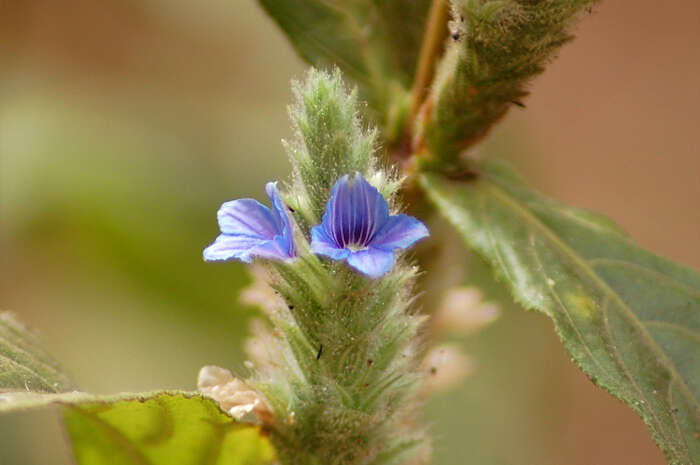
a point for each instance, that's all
(496, 48)
(374, 42)
(24, 365)
(163, 429)
(629, 319)
(155, 428)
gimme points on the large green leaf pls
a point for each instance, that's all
(164, 429)
(374, 42)
(24, 365)
(629, 319)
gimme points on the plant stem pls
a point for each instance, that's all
(433, 41)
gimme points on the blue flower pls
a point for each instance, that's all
(358, 228)
(250, 229)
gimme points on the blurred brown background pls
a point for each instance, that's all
(124, 125)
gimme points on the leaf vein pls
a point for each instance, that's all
(694, 335)
(123, 442)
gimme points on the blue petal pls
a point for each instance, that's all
(282, 217)
(354, 214)
(336, 218)
(369, 211)
(247, 217)
(372, 262)
(323, 245)
(276, 249)
(250, 229)
(226, 247)
(400, 232)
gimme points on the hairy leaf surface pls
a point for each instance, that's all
(629, 319)
(24, 365)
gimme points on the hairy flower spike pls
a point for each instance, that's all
(358, 228)
(250, 229)
(338, 363)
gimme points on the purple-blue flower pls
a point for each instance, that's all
(250, 229)
(358, 228)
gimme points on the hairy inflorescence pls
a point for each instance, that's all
(337, 365)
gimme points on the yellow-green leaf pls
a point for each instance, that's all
(163, 429)
(629, 319)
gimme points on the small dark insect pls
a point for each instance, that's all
(674, 410)
(455, 36)
(290, 209)
(369, 362)
(320, 352)
(291, 307)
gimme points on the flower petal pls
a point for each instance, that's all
(399, 232)
(226, 247)
(336, 219)
(369, 211)
(323, 245)
(280, 213)
(247, 217)
(276, 249)
(372, 262)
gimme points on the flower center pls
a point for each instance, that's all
(355, 247)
